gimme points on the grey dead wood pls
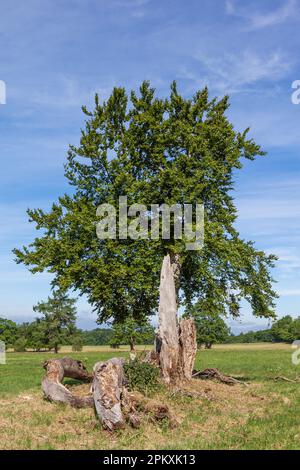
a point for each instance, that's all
(53, 388)
(107, 392)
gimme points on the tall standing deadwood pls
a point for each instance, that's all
(176, 344)
(168, 334)
(107, 388)
(54, 390)
(188, 347)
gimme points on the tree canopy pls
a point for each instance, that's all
(153, 150)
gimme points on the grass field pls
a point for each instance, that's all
(264, 414)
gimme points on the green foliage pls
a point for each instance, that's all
(210, 328)
(8, 332)
(20, 345)
(172, 151)
(132, 332)
(97, 337)
(141, 376)
(77, 343)
(286, 329)
(57, 322)
(260, 336)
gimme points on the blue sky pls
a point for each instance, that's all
(54, 55)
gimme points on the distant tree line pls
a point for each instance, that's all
(58, 328)
(285, 330)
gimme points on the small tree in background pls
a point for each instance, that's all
(211, 328)
(77, 343)
(20, 345)
(132, 332)
(58, 320)
(8, 332)
(286, 329)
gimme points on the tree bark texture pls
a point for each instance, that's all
(107, 389)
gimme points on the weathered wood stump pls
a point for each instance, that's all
(107, 389)
(188, 347)
(54, 390)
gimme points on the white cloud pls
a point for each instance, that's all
(233, 73)
(289, 292)
(268, 208)
(258, 20)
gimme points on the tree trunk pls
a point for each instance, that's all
(168, 333)
(188, 347)
(176, 344)
(107, 388)
(54, 390)
(132, 345)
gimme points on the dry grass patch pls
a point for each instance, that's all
(29, 422)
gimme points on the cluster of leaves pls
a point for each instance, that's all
(77, 344)
(8, 332)
(286, 329)
(142, 376)
(211, 328)
(96, 337)
(132, 332)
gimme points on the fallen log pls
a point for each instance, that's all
(107, 387)
(54, 390)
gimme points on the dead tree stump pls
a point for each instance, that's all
(188, 347)
(176, 344)
(54, 390)
(107, 388)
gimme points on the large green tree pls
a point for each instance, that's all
(57, 321)
(153, 150)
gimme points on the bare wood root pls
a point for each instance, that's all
(54, 390)
(285, 379)
(107, 387)
(215, 374)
